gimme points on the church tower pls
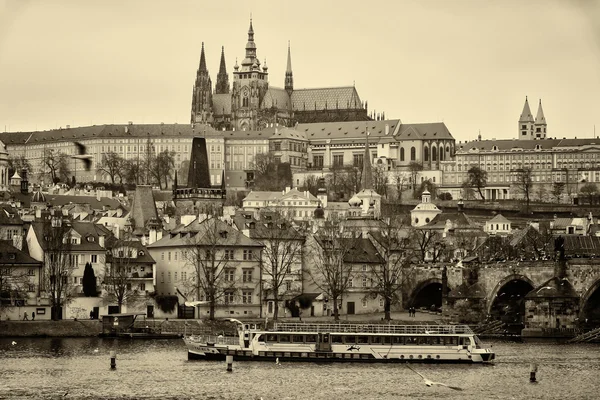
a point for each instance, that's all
(202, 94)
(540, 123)
(526, 123)
(250, 83)
(222, 86)
(289, 79)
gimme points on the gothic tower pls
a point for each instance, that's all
(202, 93)
(289, 79)
(250, 83)
(222, 78)
(526, 123)
(540, 123)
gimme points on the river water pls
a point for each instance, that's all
(80, 369)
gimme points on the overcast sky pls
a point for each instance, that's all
(467, 63)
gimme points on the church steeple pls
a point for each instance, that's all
(222, 77)
(202, 67)
(289, 79)
(526, 122)
(540, 123)
(367, 173)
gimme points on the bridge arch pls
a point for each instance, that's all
(515, 287)
(589, 304)
(426, 293)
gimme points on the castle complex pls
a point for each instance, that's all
(252, 104)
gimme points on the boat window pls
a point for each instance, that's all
(398, 339)
(451, 340)
(464, 341)
(411, 340)
(423, 340)
(271, 338)
(363, 339)
(387, 339)
(349, 339)
(311, 338)
(298, 338)
(284, 338)
(436, 340)
(375, 339)
(477, 342)
(337, 339)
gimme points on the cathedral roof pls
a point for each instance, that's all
(276, 97)
(326, 98)
(540, 119)
(221, 104)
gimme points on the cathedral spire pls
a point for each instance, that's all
(202, 67)
(222, 85)
(250, 49)
(289, 79)
(367, 174)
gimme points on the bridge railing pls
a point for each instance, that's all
(373, 328)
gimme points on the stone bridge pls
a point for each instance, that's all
(492, 288)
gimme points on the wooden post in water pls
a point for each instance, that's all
(113, 360)
(229, 361)
(532, 371)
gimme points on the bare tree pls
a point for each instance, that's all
(394, 247)
(17, 164)
(589, 189)
(112, 165)
(56, 165)
(467, 191)
(331, 269)
(523, 183)
(162, 167)
(281, 255)
(118, 277)
(541, 193)
(414, 167)
(380, 179)
(13, 287)
(132, 171)
(557, 190)
(428, 243)
(311, 184)
(209, 253)
(401, 182)
(477, 179)
(58, 262)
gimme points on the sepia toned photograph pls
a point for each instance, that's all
(278, 200)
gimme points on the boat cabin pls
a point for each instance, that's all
(115, 324)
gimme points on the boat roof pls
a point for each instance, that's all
(372, 328)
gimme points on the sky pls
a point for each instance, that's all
(468, 63)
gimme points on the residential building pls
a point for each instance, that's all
(499, 225)
(21, 284)
(298, 205)
(186, 254)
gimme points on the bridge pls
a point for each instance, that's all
(542, 294)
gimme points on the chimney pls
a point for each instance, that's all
(18, 241)
(387, 129)
(98, 195)
(287, 189)
(38, 213)
(101, 240)
(460, 205)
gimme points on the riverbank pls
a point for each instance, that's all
(90, 328)
(71, 328)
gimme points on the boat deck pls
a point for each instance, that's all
(373, 328)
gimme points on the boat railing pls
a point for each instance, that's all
(220, 339)
(373, 328)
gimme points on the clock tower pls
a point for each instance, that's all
(250, 83)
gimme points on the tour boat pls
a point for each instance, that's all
(344, 342)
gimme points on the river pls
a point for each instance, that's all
(70, 368)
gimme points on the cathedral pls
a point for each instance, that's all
(252, 104)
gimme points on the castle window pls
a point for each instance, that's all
(413, 154)
(401, 153)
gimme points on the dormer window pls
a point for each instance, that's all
(141, 253)
(495, 148)
(91, 239)
(12, 256)
(223, 234)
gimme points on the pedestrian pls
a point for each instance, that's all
(92, 314)
(33, 316)
(25, 317)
